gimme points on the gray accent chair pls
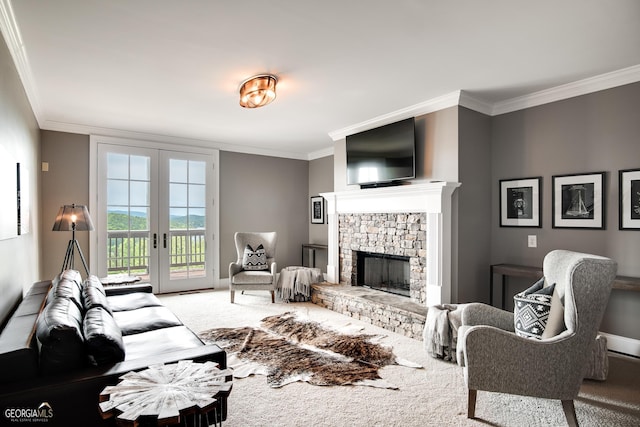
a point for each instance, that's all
(246, 280)
(496, 359)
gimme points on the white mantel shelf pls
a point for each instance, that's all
(433, 198)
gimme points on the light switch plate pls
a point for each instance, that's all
(532, 241)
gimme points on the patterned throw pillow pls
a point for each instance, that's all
(254, 260)
(531, 310)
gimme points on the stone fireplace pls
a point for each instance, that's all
(373, 245)
(413, 221)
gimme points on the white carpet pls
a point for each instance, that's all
(434, 396)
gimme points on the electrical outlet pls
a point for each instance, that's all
(532, 241)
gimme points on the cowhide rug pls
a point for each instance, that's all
(288, 349)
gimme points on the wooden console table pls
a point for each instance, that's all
(312, 247)
(513, 270)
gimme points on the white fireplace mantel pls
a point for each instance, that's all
(433, 198)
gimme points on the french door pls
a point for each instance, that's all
(155, 216)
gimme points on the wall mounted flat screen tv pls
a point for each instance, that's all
(382, 156)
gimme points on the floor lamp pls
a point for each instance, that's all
(73, 218)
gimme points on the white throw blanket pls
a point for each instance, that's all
(441, 331)
(294, 283)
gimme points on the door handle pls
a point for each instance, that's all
(155, 241)
(164, 240)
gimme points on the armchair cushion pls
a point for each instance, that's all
(531, 310)
(254, 259)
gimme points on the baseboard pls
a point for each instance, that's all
(624, 345)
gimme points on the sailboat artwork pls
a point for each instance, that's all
(578, 198)
(579, 201)
(577, 208)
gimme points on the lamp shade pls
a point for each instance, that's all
(73, 218)
(258, 91)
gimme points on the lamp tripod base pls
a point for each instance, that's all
(68, 263)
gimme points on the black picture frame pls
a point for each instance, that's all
(520, 202)
(579, 201)
(316, 212)
(629, 199)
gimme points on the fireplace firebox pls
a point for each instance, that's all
(384, 272)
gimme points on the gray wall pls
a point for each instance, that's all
(19, 136)
(66, 182)
(591, 133)
(436, 150)
(320, 181)
(257, 193)
(260, 193)
(473, 206)
(454, 145)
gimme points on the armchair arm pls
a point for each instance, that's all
(483, 314)
(274, 269)
(501, 361)
(234, 268)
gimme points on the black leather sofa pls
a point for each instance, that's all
(69, 339)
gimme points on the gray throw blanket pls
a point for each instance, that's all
(294, 283)
(440, 333)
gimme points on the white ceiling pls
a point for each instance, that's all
(171, 69)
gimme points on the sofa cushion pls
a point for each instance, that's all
(93, 294)
(254, 259)
(66, 286)
(59, 331)
(531, 309)
(133, 301)
(102, 336)
(145, 319)
(159, 341)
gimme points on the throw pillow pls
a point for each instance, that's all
(555, 324)
(531, 310)
(254, 259)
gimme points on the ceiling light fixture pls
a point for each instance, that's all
(258, 91)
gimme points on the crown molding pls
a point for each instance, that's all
(168, 139)
(440, 103)
(11, 34)
(581, 87)
(462, 98)
(475, 104)
(321, 153)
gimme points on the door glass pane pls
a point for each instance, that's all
(118, 166)
(140, 168)
(197, 172)
(178, 170)
(187, 198)
(128, 233)
(197, 194)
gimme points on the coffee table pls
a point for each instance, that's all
(182, 393)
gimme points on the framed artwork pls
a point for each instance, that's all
(24, 203)
(8, 195)
(520, 201)
(578, 201)
(317, 210)
(629, 181)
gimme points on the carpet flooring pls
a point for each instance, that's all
(433, 396)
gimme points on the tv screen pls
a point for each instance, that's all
(382, 155)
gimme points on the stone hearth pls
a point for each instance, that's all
(392, 312)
